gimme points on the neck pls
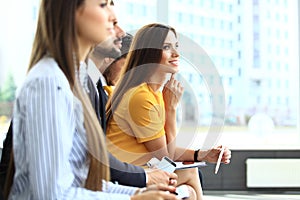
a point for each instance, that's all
(83, 50)
(156, 81)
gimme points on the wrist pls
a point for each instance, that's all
(170, 110)
(196, 155)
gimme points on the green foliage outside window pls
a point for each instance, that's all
(7, 96)
(7, 91)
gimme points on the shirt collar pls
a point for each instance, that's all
(94, 73)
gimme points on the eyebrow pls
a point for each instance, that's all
(170, 43)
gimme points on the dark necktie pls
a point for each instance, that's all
(102, 102)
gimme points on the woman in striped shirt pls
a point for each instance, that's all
(59, 150)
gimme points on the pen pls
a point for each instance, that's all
(219, 160)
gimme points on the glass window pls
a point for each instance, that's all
(239, 54)
(286, 84)
(269, 84)
(191, 78)
(239, 19)
(230, 81)
(240, 60)
(180, 17)
(130, 8)
(192, 19)
(144, 10)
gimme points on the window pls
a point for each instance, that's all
(34, 13)
(241, 61)
(143, 11)
(191, 78)
(287, 84)
(239, 19)
(180, 17)
(130, 8)
(230, 81)
(269, 84)
(278, 84)
(239, 54)
(287, 100)
(192, 19)
(258, 99)
(239, 72)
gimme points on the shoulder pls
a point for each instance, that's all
(140, 94)
(45, 75)
(46, 68)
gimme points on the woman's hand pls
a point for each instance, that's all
(156, 192)
(156, 176)
(172, 93)
(212, 155)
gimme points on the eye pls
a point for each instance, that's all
(103, 5)
(166, 47)
(176, 46)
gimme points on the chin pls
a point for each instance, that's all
(175, 70)
(172, 69)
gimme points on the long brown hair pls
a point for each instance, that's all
(143, 57)
(56, 36)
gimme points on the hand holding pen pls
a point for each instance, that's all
(219, 160)
(218, 155)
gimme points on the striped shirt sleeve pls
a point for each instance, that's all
(44, 128)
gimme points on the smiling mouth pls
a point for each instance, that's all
(175, 62)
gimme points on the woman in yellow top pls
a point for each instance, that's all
(141, 118)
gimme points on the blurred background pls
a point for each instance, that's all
(253, 45)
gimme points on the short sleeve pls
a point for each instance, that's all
(146, 111)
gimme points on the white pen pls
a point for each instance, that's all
(219, 160)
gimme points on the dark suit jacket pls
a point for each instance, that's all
(123, 173)
(6, 151)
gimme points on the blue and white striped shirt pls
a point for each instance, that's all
(49, 141)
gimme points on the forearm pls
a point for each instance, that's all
(126, 174)
(170, 129)
(183, 154)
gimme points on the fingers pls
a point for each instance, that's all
(173, 176)
(173, 182)
(227, 156)
(167, 195)
(174, 85)
(172, 179)
(159, 176)
(162, 187)
(172, 76)
(155, 195)
(166, 188)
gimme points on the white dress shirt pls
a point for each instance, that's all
(49, 141)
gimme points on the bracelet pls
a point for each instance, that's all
(196, 155)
